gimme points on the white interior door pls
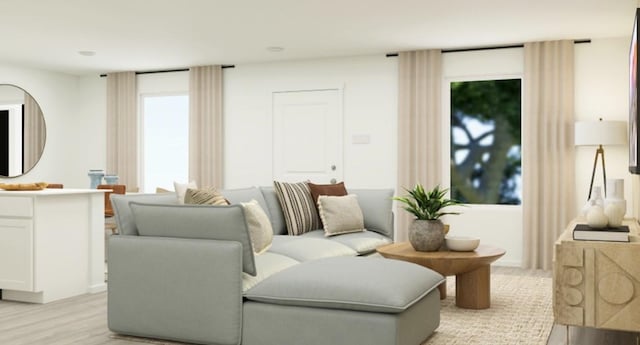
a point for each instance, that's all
(307, 136)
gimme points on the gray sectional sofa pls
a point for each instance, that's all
(187, 273)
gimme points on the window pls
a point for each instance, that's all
(165, 151)
(486, 141)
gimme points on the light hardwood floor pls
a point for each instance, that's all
(80, 320)
(590, 336)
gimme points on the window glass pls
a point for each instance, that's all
(486, 141)
(165, 122)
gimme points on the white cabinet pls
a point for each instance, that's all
(51, 244)
(16, 254)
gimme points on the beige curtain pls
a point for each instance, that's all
(548, 148)
(122, 128)
(419, 126)
(34, 132)
(205, 125)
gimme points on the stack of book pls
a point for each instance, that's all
(584, 232)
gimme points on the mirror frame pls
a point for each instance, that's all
(34, 147)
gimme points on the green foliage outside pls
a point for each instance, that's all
(489, 172)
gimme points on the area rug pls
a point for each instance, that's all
(521, 313)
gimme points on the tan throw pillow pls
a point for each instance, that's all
(298, 209)
(181, 189)
(208, 196)
(259, 225)
(340, 214)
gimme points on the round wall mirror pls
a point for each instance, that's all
(22, 131)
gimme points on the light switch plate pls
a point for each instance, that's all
(360, 139)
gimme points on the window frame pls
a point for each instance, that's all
(446, 126)
(141, 132)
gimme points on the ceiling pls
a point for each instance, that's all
(147, 35)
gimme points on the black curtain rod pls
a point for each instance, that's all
(488, 48)
(170, 70)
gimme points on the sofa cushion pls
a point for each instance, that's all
(340, 214)
(275, 210)
(363, 243)
(205, 196)
(298, 208)
(181, 189)
(306, 249)
(267, 264)
(122, 211)
(196, 221)
(259, 226)
(237, 196)
(366, 284)
(376, 206)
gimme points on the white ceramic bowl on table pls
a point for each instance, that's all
(462, 243)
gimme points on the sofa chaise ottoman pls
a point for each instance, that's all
(184, 273)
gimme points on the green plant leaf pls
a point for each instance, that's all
(427, 205)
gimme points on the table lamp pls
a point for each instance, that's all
(599, 133)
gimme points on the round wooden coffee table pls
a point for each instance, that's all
(472, 271)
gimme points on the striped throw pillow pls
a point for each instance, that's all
(298, 208)
(207, 196)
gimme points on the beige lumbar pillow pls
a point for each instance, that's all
(259, 225)
(181, 189)
(207, 196)
(340, 214)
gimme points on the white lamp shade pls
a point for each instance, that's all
(594, 133)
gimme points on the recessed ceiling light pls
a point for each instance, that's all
(87, 52)
(275, 49)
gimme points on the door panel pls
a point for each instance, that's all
(307, 136)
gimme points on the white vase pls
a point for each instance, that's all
(614, 214)
(615, 206)
(596, 200)
(596, 217)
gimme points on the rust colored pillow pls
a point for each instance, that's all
(336, 189)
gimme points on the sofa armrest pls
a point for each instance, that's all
(182, 289)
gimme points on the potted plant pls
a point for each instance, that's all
(426, 232)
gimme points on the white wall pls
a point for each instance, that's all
(601, 90)
(74, 138)
(370, 108)
(75, 112)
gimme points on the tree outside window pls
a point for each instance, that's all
(486, 142)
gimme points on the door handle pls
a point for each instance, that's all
(333, 181)
(333, 168)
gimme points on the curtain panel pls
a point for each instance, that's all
(34, 132)
(419, 126)
(122, 128)
(205, 125)
(548, 148)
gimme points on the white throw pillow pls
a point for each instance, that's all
(340, 214)
(259, 225)
(181, 189)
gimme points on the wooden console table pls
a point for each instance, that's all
(51, 244)
(597, 284)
